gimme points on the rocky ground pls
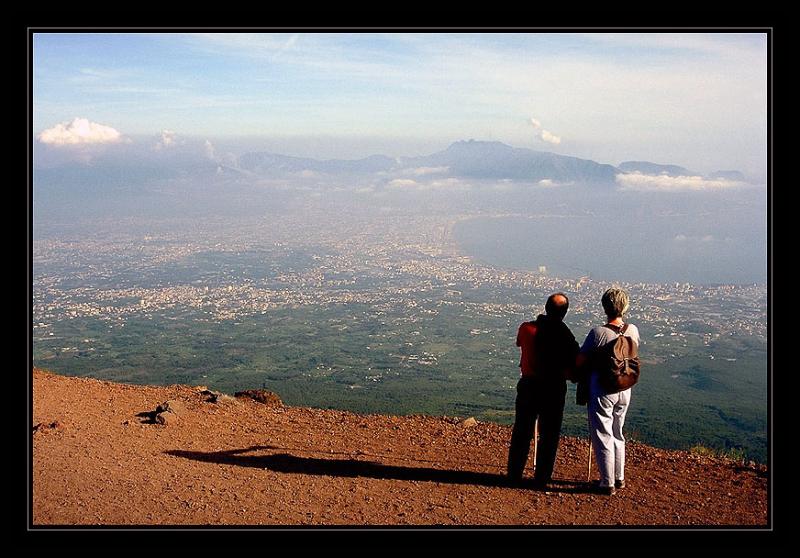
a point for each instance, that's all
(103, 455)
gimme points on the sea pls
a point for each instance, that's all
(647, 249)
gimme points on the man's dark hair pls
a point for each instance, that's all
(557, 305)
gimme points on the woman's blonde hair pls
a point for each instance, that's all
(615, 302)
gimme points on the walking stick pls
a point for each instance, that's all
(535, 441)
(589, 466)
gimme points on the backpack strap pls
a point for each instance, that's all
(618, 330)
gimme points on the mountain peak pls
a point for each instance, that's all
(496, 160)
(473, 143)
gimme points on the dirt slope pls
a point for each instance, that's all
(245, 462)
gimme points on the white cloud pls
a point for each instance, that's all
(422, 171)
(209, 150)
(544, 135)
(401, 183)
(167, 139)
(549, 137)
(550, 183)
(287, 45)
(663, 183)
(79, 131)
(725, 45)
(254, 45)
(449, 184)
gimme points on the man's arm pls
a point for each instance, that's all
(570, 350)
(583, 358)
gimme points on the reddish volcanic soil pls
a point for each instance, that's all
(247, 462)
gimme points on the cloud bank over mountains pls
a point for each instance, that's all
(91, 152)
(664, 183)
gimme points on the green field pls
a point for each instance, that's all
(351, 356)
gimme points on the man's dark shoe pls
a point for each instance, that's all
(513, 480)
(619, 484)
(540, 484)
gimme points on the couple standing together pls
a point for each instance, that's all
(550, 356)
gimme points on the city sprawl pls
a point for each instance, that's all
(378, 312)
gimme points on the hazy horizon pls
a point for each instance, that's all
(696, 100)
(324, 148)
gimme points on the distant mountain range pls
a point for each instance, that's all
(729, 175)
(127, 169)
(475, 159)
(265, 163)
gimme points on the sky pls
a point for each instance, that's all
(698, 100)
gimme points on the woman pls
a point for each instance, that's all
(607, 410)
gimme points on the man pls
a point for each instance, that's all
(548, 351)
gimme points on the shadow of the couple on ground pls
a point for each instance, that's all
(288, 463)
